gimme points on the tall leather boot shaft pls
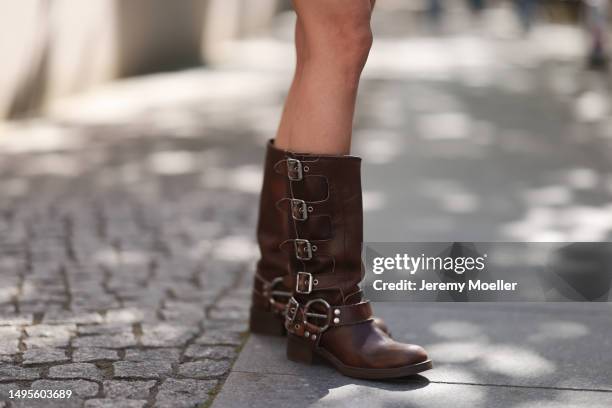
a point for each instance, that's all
(272, 228)
(274, 284)
(326, 226)
(326, 315)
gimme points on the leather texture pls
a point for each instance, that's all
(326, 245)
(272, 228)
(275, 211)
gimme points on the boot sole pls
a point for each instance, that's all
(266, 323)
(300, 351)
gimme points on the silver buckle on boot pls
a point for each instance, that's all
(303, 249)
(312, 315)
(303, 278)
(299, 209)
(291, 311)
(294, 169)
(272, 294)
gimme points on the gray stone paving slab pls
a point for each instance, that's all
(75, 370)
(45, 330)
(6, 387)
(215, 337)
(10, 319)
(89, 354)
(128, 389)
(114, 341)
(166, 334)
(9, 346)
(204, 368)
(72, 402)
(81, 388)
(212, 352)
(9, 333)
(257, 390)
(184, 393)
(161, 354)
(12, 372)
(146, 369)
(46, 342)
(62, 317)
(44, 355)
(114, 403)
(107, 329)
(514, 345)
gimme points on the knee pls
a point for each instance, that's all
(352, 41)
(344, 42)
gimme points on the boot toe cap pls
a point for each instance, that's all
(415, 354)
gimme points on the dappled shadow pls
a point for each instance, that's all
(493, 166)
(135, 207)
(515, 345)
(541, 353)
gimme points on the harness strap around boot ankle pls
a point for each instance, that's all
(298, 318)
(351, 314)
(274, 294)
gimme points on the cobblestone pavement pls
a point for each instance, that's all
(124, 268)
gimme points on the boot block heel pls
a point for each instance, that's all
(266, 323)
(299, 351)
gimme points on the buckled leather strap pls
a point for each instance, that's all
(299, 317)
(298, 166)
(305, 248)
(351, 314)
(305, 282)
(301, 210)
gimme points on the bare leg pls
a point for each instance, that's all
(283, 136)
(333, 39)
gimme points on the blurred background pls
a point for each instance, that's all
(131, 140)
(519, 88)
(54, 48)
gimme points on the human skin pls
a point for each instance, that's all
(333, 40)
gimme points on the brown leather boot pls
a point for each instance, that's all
(274, 285)
(270, 294)
(327, 315)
